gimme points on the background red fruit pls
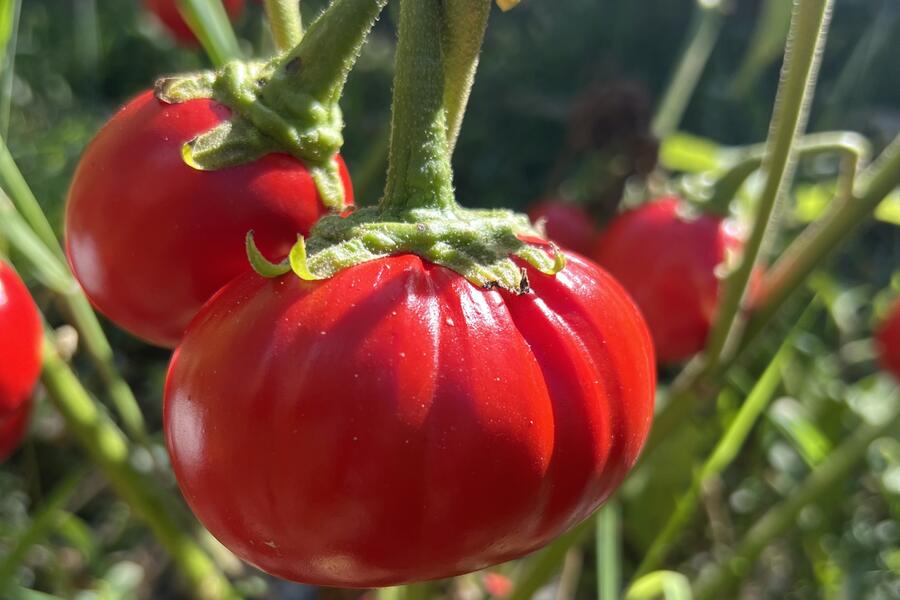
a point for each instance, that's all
(12, 428)
(20, 342)
(396, 423)
(567, 224)
(667, 262)
(20, 357)
(888, 340)
(167, 12)
(151, 239)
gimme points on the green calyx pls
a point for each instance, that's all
(480, 245)
(290, 122)
(288, 104)
(418, 213)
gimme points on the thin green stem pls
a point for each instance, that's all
(853, 148)
(820, 239)
(285, 21)
(12, 181)
(809, 27)
(419, 173)
(320, 64)
(781, 518)
(723, 455)
(9, 67)
(53, 273)
(609, 552)
(210, 23)
(539, 569)
(465, 23)
(42, 522)
(110, 451)
(703, 37)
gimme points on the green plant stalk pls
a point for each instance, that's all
(419, 174)
(14, 184)
(109, 450)
(54, 273)
(609, 552)
(703, 37)
(539, 569)
(465, 23)
(9, 68)
(329, 50)
(209, 22)
(782, 517)
(820, 239)
(809, 27)
(723, 455)
(42, 522)
(285, 21)
(853, 148)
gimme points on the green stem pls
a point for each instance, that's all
(53, 272)
(320, 64)
(609, 552)
(783, 517)
(9, 68)
(109, 450)
(210, 23)
(723, 455)
(820, 239)
(853, 148)
(285, 21)
(12, 181)
(539, 569)
(419, 174)
(809, 27)
(465, 23)
(42, 522)
(704, 33)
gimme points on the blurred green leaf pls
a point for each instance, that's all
(793, 421)
(669, 585)
(690, 154)
(889, 209)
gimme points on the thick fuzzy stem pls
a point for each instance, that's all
(321, 63)
(209, 22)
(419, 174)
(285, 22)
(465, 23)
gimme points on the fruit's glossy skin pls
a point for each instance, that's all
(567, 224)
(395, 423)
(167, 12)
(151, 239)
(888, 341)
(20, 357)
(667, 262)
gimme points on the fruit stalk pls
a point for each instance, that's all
(209, 22)
(285, 22)
(465, 23)
(419, 174)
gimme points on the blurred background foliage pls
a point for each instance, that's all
(562, 105)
